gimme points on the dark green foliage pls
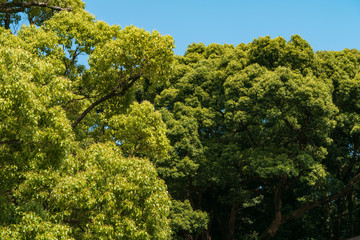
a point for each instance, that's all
(252, 121)
(257, 141)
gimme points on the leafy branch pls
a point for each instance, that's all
(16, 7)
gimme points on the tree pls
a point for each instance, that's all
(256, 132)
(59, 179)
(193, 108)
(255, 141)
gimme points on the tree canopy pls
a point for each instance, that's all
(255, 141)
(258, 127)
(60, 179)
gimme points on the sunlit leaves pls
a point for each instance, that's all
(112, 196)
(31, 94)
(140, 132)
(53, 184)
(32, 226)
(97, 194)
(134, 52)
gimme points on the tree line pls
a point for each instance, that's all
(255, 141)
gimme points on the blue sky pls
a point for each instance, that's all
(325, 24)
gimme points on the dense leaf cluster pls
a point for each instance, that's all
(255, 141)
(60, 177)
(262, 134)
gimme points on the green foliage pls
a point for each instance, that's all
(62, 182)
(224, 142)
(31, 116)
(97, 194)
(297, 54)
(243, 118)
(13, 12)
(140, 132)
(279, 110)
(184, 219)
(133, 52)
(111, 196)
(32, 226)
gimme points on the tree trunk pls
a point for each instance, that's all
(277, 220)
(232, 220)
(188, 236)
(7, 21)
(351, 211)
(222, 225)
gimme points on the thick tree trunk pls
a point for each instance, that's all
(278, 218)
(232, 220)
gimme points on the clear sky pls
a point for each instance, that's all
(325, 24)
